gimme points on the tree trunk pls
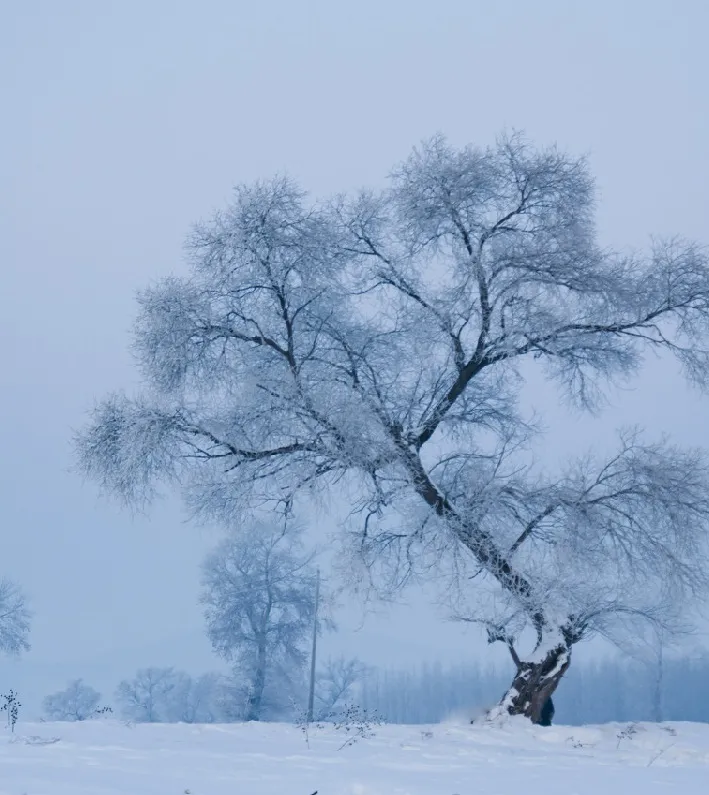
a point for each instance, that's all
(535, 682)
(253, 709)
(657, 695)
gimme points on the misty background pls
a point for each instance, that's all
(126, 122)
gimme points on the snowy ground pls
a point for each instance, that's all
(107, 758)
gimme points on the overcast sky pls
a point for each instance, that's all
(124, 122)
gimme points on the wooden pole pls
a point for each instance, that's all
(311, 694)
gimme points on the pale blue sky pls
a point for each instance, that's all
(124, 122)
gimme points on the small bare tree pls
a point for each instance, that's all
(375, 342)
(259, 595)
(78, 702)
(14, 619)
(335, 685)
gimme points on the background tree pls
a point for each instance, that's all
(259, 592)
(375, 342)
(147, 697)
(78, 702)
(14, 619)
(336, 684)
(656, 650)
(654, 655)
(193, 699)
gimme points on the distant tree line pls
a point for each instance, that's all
(167, 695)
(153, 695)
(601, 692)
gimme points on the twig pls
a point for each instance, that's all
(659, 753)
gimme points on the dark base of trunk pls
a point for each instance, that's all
(547, 714)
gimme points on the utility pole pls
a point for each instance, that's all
(311, 694)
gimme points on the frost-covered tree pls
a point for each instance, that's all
(336, 684)
(147, 697)
(78, 702)
(373, 343)
(259, 597)
(14, 619)
(193, 699)
(166, 695)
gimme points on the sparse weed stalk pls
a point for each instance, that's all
(305, 725)
(357, 723)
(11, 705)
(627, 733)
(102, 711)
(576, 743)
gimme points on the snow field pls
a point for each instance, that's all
(113, 758)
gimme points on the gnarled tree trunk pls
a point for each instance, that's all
(535, 682)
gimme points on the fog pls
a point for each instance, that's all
(126, 122)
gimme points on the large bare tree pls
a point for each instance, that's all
(374, 342)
